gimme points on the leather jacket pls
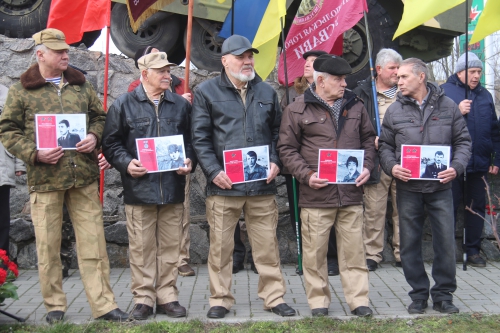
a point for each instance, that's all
(133, 116)
(221, 121)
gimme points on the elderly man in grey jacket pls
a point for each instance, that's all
(10, 167)
(423, 115)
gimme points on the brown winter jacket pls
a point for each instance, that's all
(306, 127)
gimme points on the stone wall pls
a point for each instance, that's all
(16, 57)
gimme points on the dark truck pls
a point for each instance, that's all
(167, 31)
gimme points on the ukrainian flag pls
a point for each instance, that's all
(260, 22)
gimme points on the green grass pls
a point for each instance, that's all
(463, 323)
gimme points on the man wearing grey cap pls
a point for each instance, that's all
(57, 176)
(237, 110)
(153, 201)
(478, 111)
(329, 116)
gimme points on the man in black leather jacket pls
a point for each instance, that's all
(153, 201)
(237, 110)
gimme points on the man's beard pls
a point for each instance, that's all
(242, 77)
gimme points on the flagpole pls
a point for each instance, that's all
(372, 74)
(232, 17)
(294, 181)
(105, 101)
(466, 49)
(188, 45)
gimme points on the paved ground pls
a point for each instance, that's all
(477, 292)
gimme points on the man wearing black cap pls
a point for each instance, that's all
(300, 85)
(237, 110)
(328, 115)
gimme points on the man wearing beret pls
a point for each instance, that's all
(329, 116)
(57, 176)
(478, 111)
(153, 201)
(300, 85)
(423, 115)
(232, 111)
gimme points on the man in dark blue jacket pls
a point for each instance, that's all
(478, 110)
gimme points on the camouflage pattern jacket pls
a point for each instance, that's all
(33, 95)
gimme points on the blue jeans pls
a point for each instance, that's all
(411, 207)
(476, 199)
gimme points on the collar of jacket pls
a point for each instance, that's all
(456, 81)
(436, 93)
(141, 94)
(225, 82)
(32, 79)
(350, 99)
(175, 80)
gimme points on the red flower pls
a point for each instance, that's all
(3, 252)
(13, 267)
(489, 210)
(3, 276)
(4, 259)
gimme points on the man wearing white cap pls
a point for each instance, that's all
(57, 176)
(153, 201)
(478, 110)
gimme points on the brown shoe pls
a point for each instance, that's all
(172, 309)
(142, 311)
(186, 270)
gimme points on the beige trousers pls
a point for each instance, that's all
(261, 217)
(186, 222)
(154, 233)
(86, 215)
(375, 200)
(316, 225)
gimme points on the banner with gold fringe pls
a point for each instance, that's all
(140, 10)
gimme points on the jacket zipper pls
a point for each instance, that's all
(157, 110)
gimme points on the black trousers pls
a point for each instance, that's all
(4, 217)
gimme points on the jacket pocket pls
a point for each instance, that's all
(139, 127)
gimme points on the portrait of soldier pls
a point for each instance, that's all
(66, 139)
(432, 170)
(253, 170)
(352, 167)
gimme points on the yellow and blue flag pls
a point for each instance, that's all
(489, 21)
(260, 22)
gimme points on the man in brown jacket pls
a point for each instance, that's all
(329, 116)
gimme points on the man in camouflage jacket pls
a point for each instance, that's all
(57, 176)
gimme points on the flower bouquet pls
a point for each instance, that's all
(8, 273)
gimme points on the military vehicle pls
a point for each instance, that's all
(166, 30)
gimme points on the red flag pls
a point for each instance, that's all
(140, 10)
(317, 28)
(78, 16)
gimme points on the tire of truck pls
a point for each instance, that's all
(23, 18)
(162, 36)
(205, 50)
(355, 50)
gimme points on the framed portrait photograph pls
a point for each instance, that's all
(160, 154)
(425, 162)
(247, 164)
(340, 166)
(60, 130)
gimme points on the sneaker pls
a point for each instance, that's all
(372, 265)
(475, 260)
